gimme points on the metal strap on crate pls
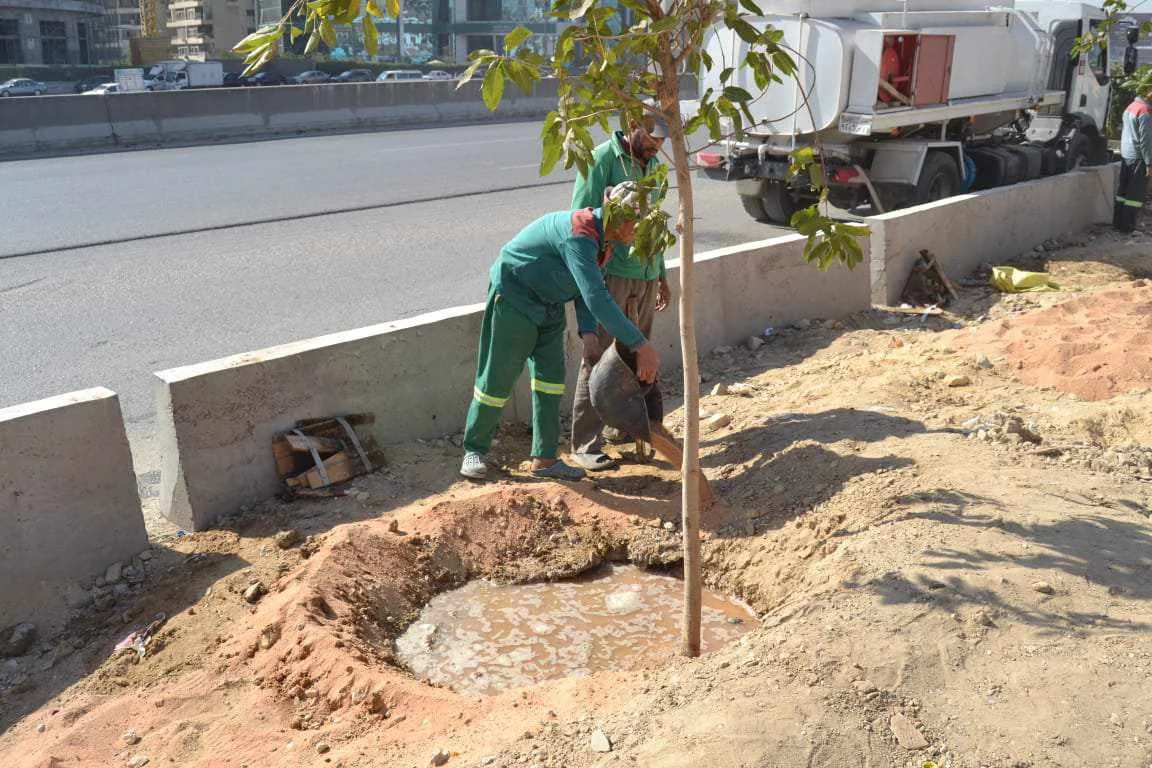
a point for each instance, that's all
(356, 443)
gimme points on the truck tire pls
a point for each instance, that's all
(774, 204)
(939, 178)
(991, 167)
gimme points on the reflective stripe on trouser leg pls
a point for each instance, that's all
(547, 366)
(1130, 194)
(507, 338)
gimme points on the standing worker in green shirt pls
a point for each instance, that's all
(556, 259)
(639, 288)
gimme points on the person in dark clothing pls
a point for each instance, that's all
(1136, 163)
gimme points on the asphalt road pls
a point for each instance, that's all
(116, 265)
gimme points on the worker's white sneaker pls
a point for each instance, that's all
(474, 467)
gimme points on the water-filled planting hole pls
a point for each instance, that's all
(484, 638)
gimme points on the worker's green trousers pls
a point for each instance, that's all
(508, 338)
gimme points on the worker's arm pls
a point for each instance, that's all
(595, 303)
(589, 190)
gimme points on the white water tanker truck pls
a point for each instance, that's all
(911, 102)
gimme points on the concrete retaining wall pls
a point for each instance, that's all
(218, 418)
(962, 232)
(68, 502)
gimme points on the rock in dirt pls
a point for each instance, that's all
(254, 592)
(1043, 588)
(288, 539)
(137, 761)
(720, 389)
(440, 758)
(600, 741)
(112, 575)
(905, 732)
(714, 422)
(323, 748)
(19, 641)
(957, 380)
(754, 343)
(393, 526)
(130, 738)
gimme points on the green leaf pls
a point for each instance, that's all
(392, 7)
(372, 8)
(516, 38)
(493, 88)
(726, 73)
(784, 63)
(736, 93)
(328, 33)
(553, 150)
(313, 41)
(580, 10)
(751, 7)
(706, 58)
(257, 39)
(371, 34)
(746, 31)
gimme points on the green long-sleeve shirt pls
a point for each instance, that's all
(613, 164)
(554, 260)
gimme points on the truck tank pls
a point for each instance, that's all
(933, 53)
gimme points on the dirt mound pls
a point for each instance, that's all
(1095, 346)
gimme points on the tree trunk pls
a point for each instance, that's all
(690, 470)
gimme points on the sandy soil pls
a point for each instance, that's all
(943, 522)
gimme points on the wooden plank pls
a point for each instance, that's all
(325, 446)
(338, 467)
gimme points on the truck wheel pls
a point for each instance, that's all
(939, 178)
(774, 204)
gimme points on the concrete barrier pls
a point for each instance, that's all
(123, 120)
(68, 502)
(218, 418)
(33, 124)
(962, 232)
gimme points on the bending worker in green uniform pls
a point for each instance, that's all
(556, 259)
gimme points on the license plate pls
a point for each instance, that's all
(856, 125)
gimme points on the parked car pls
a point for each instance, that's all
(399, 75)
(354, 76)
(438, 74)
(312, 77)
(265, 78)
(102, 89)
(233, 79)
(22, 86)
(91, 82)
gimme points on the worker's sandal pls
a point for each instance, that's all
(474, 467)
(595, 462)
(559, 471)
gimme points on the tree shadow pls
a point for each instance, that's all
(1089, 549)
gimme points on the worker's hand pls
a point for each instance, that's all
(647, 362)
(666, 290)
(592, 348)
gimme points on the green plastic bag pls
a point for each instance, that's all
(1012, 280)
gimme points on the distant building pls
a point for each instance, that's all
(53, 32)
(205, 29)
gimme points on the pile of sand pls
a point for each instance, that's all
(1097, 345)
